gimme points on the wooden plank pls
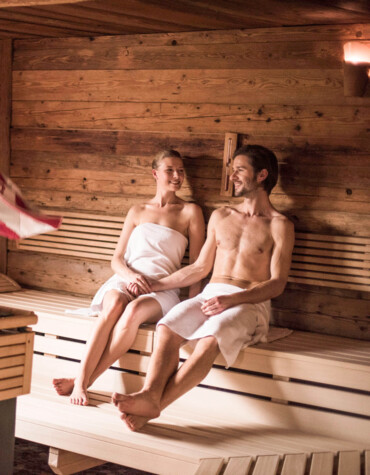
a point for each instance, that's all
(202, 117)
(28, 363)
(12, 350)
(10, 393)
(108, 55)
(367, 462)
(5, 114)
(266, 465)
(11, 372)
(231, 36)
(10, 361)
(322, 464)
(289, 391)
(294, 464)
(249, 86)
(209, 467)
(238, 466)
(349, 463)
(75, 350)
(10, 383)
(28, 3)
(65, 462)
(17, 339)
(17, 321)
(7, 284)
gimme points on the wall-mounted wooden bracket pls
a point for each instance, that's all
(231, 143)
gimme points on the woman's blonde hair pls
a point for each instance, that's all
(164, 154)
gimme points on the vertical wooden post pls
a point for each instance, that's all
(5, 111)
(230, 146)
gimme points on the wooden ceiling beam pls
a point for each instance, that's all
(34, 3)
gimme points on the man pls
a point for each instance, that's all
(249, 247)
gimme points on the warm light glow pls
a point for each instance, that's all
(356, 52)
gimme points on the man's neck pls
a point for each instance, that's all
(257, 205)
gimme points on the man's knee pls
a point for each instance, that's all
(208, 344)
(166, 335)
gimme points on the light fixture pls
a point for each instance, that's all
(356, 67)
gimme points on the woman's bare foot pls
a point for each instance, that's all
(134, 423)
(138, 404)
(79, 396)
(64, 386)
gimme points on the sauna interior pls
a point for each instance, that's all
(91, 90)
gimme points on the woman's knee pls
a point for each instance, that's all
(133, 315)
(114, 304)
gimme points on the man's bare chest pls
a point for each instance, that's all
(247, 236)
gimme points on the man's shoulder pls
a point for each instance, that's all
(281, 224)
(222, 212)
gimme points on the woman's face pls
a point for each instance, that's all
(170, 173)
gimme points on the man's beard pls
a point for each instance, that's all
(247, 189)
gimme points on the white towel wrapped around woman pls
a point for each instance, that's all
(154, 251)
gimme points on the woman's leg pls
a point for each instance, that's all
(114, 303)
(142, 310)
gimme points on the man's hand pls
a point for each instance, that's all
(217, 305)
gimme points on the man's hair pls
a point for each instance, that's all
(164, 154)
(260, 158)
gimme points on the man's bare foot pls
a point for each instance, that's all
(134, 423)
(64, 386)
(138, 404)
(79, 396)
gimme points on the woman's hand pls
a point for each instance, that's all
(217, 305)
(139, 285)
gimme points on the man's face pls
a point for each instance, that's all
(243, 176)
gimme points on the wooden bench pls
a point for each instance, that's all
(297, 405)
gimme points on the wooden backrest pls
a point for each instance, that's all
(323, 260)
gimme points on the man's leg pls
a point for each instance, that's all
(113, 305)
(189, 375)
(163, 364)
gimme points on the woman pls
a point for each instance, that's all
(151, 245)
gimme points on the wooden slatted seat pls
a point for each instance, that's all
(323, 463)
(293, 396)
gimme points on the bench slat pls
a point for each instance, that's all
(266, 465)
(322, 464)
(367, 462)
(290, 391)
(349, 463)
(294, 464)
(238, 466)
(75, 350)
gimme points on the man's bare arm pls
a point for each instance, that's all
(196, 241)
(283, 236)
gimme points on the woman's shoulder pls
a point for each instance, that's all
(192, 209)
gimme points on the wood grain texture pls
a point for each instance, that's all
(89, 114)
(5, 113)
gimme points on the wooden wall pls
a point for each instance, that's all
(88, 114)
(5, 108)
